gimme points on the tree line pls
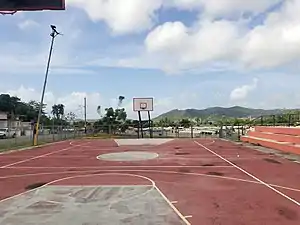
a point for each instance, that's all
(28, 111)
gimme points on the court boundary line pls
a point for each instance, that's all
(250, 175)
(149, 171)
(99, 167)
(37, 157)
(172, 206)
(154, 186)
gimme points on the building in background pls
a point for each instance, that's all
(14, 126)
(3, 120)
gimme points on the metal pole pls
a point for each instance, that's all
(85, 124)
(150, 125)
(140, 124)
(53, 35)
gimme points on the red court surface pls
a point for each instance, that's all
(206, 181)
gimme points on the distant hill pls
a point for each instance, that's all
(216, 112)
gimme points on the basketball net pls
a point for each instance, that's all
(7, 12)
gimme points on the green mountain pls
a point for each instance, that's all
(217, 112)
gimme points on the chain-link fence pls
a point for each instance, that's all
(292, 119)
(233, 132)
(127, 131)
(18, 138)
(236, 130)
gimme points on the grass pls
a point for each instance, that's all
(17, 144)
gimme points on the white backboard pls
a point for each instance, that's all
(142, 104)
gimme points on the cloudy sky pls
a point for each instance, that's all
(184, 53)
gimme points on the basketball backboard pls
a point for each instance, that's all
(31, 5)
(142, 104)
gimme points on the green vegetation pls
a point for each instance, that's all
(113, 118)
(28, 111)
(219, 112)
(227, 116)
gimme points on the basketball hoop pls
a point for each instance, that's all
(7, 12)
(143, 105)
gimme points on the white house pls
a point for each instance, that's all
(3, 120)
(4, 123)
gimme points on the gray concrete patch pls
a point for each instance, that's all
(128, 156)
(290, 156)
(90, 205)
(153, 141)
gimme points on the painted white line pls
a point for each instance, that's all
(146, 171)
(251, 175)
(210, 143)
(54, 202)
(173, 207)
(111, 167)
(37, 157)
(105, 185)
(189, 216)
(174, 202)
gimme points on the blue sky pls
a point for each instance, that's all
(185, 54)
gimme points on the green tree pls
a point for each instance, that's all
(165, 122)
(121, 115)
(186, 123)
(9, 105)
(55, 111)
(5, 105)
(198, 121)
(36, 106)
(112, 120)
(27, 112)
(61, 110)
(58, 111)
(70, 117)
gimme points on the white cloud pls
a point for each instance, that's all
(176, 44)
(121, 16)
(277, 41)
(73, 101)
(137, 15)
(225, 7)
(241, 93)
(274, 43)
(171, 46)
(27, 24)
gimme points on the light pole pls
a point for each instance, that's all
(53, 34)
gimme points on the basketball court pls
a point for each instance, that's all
(146, 181)
(171, 181)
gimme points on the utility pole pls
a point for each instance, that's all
(53, 34)
(85, 131)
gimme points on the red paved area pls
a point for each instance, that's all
(201, 185)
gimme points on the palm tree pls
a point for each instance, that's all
(58, 111)
(55, 111)
(61, 110)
